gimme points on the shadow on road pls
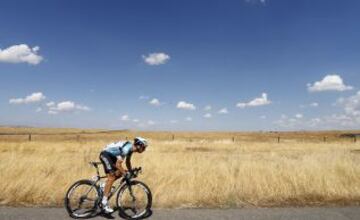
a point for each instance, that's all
(110, 216)
(147, 215)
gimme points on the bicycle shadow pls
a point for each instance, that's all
(147, 215)
(110, 215)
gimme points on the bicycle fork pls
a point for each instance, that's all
(133, 208)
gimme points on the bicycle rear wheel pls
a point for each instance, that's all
(134, 200)
(82, 199)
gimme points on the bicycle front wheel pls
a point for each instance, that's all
(82, 199)
(134, 200)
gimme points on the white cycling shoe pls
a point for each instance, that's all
(106, 207)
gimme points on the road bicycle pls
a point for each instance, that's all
(133, 200)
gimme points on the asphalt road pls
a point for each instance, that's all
(323, 213)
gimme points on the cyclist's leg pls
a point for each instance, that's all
(108, 162)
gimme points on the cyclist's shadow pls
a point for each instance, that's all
(111, 216)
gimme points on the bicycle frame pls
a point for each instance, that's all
(97, 178)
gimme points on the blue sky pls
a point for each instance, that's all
(259, 64)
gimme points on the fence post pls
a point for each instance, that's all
(325, 139)
(233, 139)
(126, 138)
(78, 138)
(173, 137)
(354, 138)
(29, 137)
(278, 139)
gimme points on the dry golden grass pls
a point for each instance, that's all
(200, 173)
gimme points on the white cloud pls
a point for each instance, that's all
(82, 107)
(125, 118)
(136, 120)
(21, 53)
(207, 108)
(314, 104)
(263, 100)
(188, 119)
(326, 122)
(207, 115)
(298, 115)
(223, 111)
(263, 2)
(50, 112)
(34, 97)
(156, 58)
(66, 106)
(343, 120)
(351, 104)
(263, 117)
(155, 102)
(142, 97)
(185, 105)
(350, 119)
(288, 122)
(16, 101)
(174, 121)
(150, 122)
(314, 122)
(39, 109)
(50, 104)
(329, 83)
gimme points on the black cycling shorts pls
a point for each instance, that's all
(108, 161)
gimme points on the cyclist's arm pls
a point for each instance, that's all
(120, 168)
(128, 162)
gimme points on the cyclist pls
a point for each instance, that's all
(112, 157)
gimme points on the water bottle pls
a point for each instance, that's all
(102, 186)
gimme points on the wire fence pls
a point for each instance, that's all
(110, 136)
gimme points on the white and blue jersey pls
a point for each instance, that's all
(113, 152)
(119, 149)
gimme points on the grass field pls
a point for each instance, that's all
(194, 170)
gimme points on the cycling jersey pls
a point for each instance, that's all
(119, 149)
(113, 152)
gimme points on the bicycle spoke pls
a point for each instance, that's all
(133, 200)
(133, 210)
(82, 199)
(92, 200)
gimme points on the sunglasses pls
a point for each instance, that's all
(140, 146)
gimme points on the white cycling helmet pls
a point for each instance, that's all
(139, 141)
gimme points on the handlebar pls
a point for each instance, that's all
(134, 172)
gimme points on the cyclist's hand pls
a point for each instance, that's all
(117, 173)
(127, 175)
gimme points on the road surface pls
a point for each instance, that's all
(322, 213)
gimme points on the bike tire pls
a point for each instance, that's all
(147, 210)
(93, 210)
